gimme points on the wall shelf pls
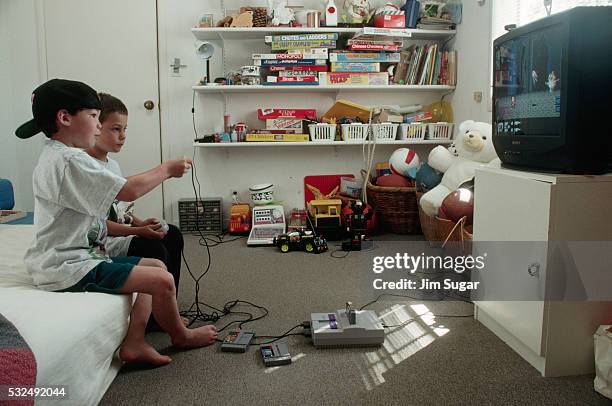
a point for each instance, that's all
(320, 88)
(312, 144)
(228, 33)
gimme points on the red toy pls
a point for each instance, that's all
(371, 219)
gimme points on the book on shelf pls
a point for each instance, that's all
(301, 37)
(291, 45)
(354, 78)
(426, 65)
(271, 137)
(355, 67)
(11, 215)
(292, 62)
(385, 57)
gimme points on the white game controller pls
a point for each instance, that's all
(164, 226)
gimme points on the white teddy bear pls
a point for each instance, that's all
(474, 146)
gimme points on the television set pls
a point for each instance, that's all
(552, 93)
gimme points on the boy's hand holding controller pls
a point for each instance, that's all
(176, 168)
(152, 231)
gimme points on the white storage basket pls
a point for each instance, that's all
(384, 132)
(354, 132)
(414, 131)
(322, 132)
(440, 131)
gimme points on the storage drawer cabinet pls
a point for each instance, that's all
(206, 214)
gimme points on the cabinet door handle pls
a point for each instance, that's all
(534, 269)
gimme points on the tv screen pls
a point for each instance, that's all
(528, 78)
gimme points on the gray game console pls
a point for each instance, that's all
(336, 330)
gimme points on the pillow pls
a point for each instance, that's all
(14, 241)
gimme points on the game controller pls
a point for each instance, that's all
(163, 226)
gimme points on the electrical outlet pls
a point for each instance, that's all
(478, 97)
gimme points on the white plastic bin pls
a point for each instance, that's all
(322, 132)
(440, 131)
(384, 132)
(354, 132)
(413, 131)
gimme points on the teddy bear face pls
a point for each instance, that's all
(474, 141)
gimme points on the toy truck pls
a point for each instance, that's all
(301, 241)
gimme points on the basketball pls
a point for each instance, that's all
(458, 204)
(427, 178)
(394, 180)
(404, 162)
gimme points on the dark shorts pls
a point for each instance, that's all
(107, 277)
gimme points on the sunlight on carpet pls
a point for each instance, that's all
(413, 328)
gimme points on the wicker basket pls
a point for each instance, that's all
(459, 232)
(439, 231)
(396, 208)
(428, 224)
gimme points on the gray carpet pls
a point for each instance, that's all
(450, 361)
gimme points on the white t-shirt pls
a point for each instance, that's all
(72, 197)
(117, 246)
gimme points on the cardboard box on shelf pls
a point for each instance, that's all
(386, 116)
(283, 123)
(264, 114)
(390, 21)
(345, 108)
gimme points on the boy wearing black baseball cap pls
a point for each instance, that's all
(73, 194)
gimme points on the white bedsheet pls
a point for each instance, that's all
(74, 336)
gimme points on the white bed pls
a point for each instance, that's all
(74, 336)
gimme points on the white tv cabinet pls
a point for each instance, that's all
(556, 337)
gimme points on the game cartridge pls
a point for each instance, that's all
(237, 341)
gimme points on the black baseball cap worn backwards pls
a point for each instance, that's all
(55, 95)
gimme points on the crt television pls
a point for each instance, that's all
(552, 93)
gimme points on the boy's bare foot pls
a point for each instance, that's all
(185, 321)
(197, 337)
(142, 353)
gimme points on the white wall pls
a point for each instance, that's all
(19, 75)
(473, 42)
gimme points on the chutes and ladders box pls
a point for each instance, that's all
(265, 114)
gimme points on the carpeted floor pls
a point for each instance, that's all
(430, 360)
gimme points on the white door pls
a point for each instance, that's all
(112, 46)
